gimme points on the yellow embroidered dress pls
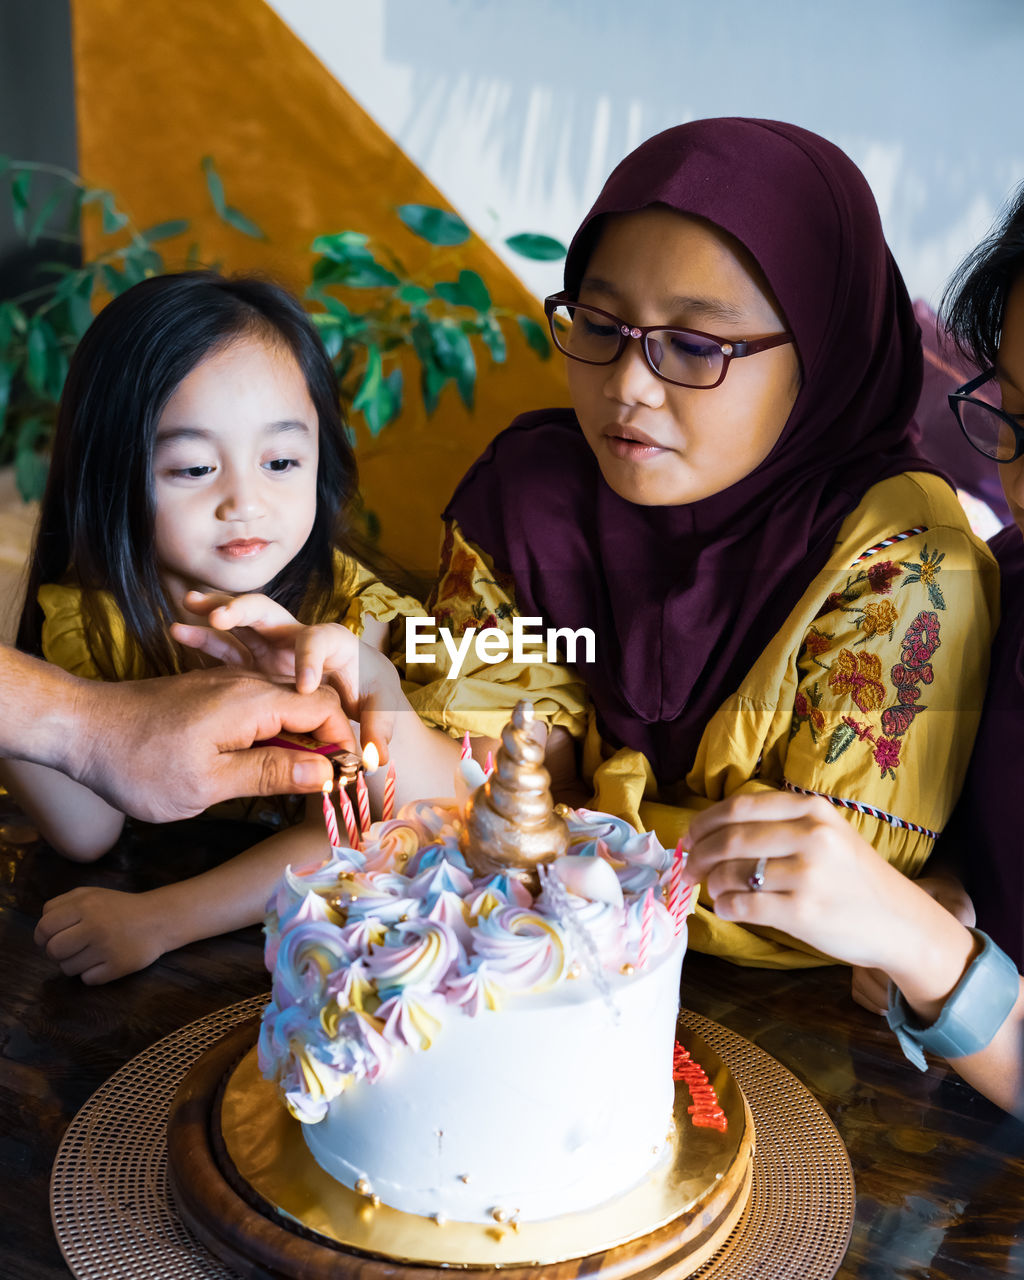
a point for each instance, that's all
(869, 694)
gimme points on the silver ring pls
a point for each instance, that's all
(756, 880)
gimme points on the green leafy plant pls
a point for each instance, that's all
(368, 306)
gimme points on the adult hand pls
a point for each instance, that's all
(168, 748)
(253, 630)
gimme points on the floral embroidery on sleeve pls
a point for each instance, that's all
(926, 572)
(875, 706)
(459, 598)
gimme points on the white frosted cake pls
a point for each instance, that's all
(459, 1048)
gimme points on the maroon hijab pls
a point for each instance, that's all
(683, 599)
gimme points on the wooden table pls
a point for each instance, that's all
(939, 1171)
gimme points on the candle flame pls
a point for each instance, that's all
(327, 787)
(371, 758)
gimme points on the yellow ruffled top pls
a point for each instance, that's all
(358, 594)
(869, 695)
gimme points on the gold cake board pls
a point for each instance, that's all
(115, 1220)
(246, 1183)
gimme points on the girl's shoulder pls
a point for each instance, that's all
(65, 631)
(903, 507)
(359, 593)
(543, 446)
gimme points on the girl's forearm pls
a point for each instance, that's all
(70, 817)
(425, 760)
(934, 951)
(234, 894)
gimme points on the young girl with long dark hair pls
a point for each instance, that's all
(199, 447)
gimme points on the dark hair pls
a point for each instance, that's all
(974, 301)
(96, 525)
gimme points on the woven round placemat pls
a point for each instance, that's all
(114, 1218)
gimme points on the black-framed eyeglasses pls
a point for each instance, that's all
(684, 357)
(991, 431)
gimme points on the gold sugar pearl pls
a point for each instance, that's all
(439, 1218)
(463, 1177)
(363, 1187)
(574, 971)
(627, 970)
(500, 1215)
(375, 1201)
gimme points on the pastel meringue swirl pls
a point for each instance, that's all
(373, 953)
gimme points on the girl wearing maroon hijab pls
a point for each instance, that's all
(952, 990)
(781, 594)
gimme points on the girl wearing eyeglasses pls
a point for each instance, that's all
(951, 991)
(783, 594)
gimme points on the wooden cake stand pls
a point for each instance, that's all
(246, 1184)
(115, 1218)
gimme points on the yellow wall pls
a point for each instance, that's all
(160, 85)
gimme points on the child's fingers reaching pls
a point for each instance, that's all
(202, 603)
(228, 612)
(330, 647)
(215, 644)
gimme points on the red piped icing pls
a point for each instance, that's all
(705, 1113)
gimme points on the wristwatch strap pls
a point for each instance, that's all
(976, 1008)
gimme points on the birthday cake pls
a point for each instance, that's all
(474, 1037)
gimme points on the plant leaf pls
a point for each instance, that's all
(113, 218)
(214, 184)
(474, 291)
(540, 248)
(166, 230)
(21, 187)
(413, 295)
(235, 218)
(535, 336)
(30, 464)
(11, 315)
(454, 353)
(494, 340)
(6, 378)
(449, 291)
(43, 216)
(437, 226)
(372, 379)
(79, 314)
(37, 349)
(342, 246)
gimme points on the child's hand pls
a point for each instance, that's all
(100, 934)
(246, 631)
(264, 634)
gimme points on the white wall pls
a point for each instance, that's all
(518, 109)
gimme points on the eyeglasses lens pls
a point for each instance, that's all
(677, 355)
(985, 429)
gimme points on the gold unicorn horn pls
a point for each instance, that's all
(510, 822)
